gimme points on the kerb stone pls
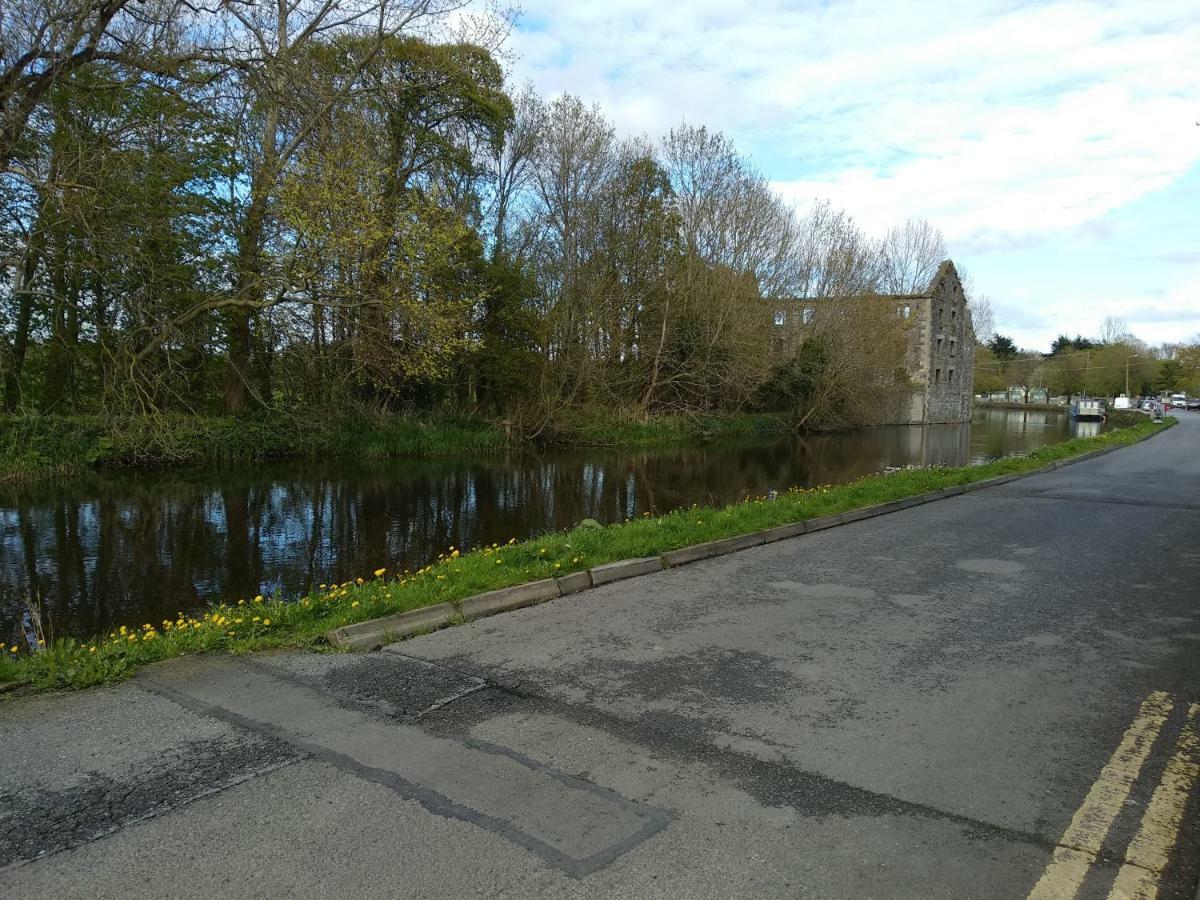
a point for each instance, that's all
(626, 568)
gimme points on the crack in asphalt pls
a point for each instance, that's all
(771, 783)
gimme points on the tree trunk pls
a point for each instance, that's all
(248, 288)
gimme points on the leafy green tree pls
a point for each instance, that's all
(1003, 348)
(1169, 377)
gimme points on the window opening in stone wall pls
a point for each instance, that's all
(952, 340)
(806, 316)
(937, 376)
(780, 318)
(950, 376)
(939, 345)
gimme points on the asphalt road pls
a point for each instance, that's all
(989, 696)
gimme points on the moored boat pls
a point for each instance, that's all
(1086, 410)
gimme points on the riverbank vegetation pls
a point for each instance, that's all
(34, 447)
(254, 623)
(302, 214)
(1115, 362)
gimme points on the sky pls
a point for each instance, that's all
(1054, 143)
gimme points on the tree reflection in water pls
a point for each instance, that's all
(133, 547)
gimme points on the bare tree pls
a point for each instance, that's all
(1115, 330)
(911, 254)
(834, 258)
(512, 164)
(983, 319)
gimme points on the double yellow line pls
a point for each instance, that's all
(1148, 852)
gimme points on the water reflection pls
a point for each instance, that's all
(126, 548)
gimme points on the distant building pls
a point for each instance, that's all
(941, 347)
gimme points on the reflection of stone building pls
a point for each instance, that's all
(941, 347)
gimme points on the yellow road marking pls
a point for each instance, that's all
(1150, 849)
(1081, 841)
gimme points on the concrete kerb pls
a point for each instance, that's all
(574, 583)
(625, 568)
(375, 633)
(509, 598)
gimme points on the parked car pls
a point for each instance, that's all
(1193, 403)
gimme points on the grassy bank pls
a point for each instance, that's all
(257, 623)
(599, 431)
(39, 446)
(36, 446)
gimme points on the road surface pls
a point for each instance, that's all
(989, 696)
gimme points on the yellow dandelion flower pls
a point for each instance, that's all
(91, 649)
(379, 572)
(256, 619)
(266, 621)
(12, 649)
(258, 598)
(454, 554)
(558, 565)
(542, 552)
(352, 605)
(242, 602)
(123, 630)
(195, 624)
(575, 559)
(358, 581)
(499, 562)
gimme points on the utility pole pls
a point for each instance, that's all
(1127, 359)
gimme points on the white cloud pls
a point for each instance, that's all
(1168, 316)
(995, 121)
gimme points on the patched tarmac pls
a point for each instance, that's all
(987, 696)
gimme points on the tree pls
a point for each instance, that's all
(378, 207)
(1002, 347)
(983, 319)
(989, 373)
(44, 43)
(910, 256)
(1028, 372)
(1115, 330)
(1169, 377)
(279, 116)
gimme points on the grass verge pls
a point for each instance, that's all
(259, 623)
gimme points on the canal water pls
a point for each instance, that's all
(124, 548)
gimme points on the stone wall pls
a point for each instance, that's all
(951, 350)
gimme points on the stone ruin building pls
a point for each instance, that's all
(941, 348)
